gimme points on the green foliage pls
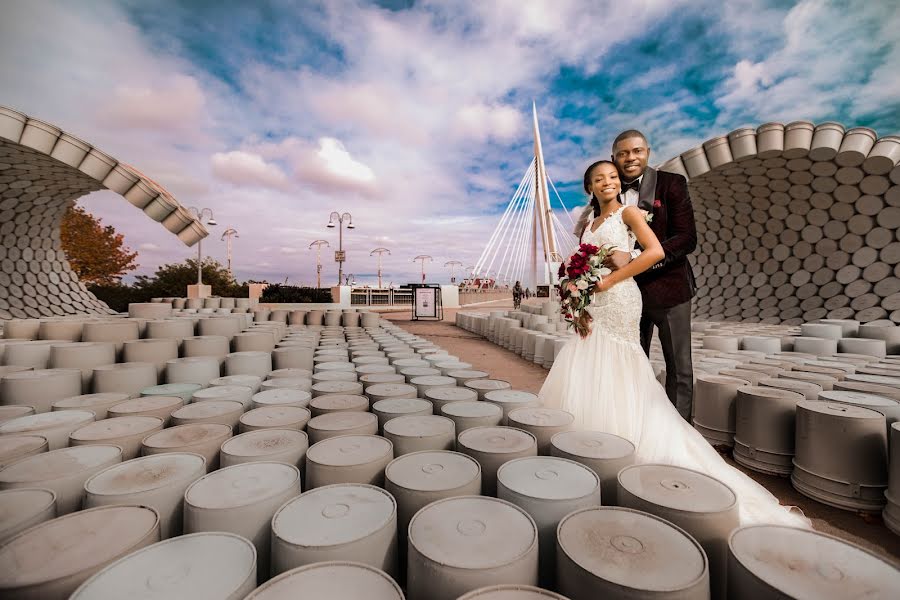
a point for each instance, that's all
(291, 293)
(172, 280)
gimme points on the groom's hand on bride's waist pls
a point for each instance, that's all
(617, 259)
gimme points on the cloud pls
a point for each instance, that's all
(177, 103)
(332, 166)
(481, 122)
(247, 169)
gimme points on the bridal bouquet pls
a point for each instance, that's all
(577, 278)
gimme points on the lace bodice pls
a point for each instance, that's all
(613, 231)
(616, 312)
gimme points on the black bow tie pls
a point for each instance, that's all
(632, 185)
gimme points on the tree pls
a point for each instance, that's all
(96, 253)
(172, 280)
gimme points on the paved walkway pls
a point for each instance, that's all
(868, 532)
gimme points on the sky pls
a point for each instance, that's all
(415, 116)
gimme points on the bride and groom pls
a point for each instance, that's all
(606, 379)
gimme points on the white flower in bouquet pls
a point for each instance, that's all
(582, 284)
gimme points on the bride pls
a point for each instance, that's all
(606, 380)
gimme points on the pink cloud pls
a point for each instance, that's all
(247, 169)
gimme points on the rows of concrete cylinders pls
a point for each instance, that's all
(423, 476)
(816, 402)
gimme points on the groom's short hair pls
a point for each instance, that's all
(629, 133)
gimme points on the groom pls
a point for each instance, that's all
(667, 288)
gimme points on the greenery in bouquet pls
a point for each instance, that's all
(577, 278)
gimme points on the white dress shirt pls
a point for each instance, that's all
(630, 198)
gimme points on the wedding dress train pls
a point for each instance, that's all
(607, 382)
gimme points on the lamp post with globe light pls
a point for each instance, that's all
(339, 255)
(379, 252)
(229, 233)
(423, 258)
(318, 246)
(200, 214)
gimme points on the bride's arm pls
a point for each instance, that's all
(652, 253)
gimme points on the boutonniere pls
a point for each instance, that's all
(657, 203)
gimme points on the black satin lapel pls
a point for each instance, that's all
(648, 189)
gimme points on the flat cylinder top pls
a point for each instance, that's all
(241, 485)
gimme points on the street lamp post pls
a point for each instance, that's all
(453, 264)
(422, 258)
(379, 252)
(340, 225)
(227, 235)
(318, 246)
(199, 214)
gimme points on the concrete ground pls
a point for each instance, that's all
(867, 531)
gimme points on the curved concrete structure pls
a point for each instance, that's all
(43, 171)
(795, 223)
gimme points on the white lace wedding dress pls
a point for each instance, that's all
(607, 382)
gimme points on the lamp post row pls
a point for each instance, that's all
(206, 213)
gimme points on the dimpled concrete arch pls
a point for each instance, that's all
(43, 171)
(795, 223)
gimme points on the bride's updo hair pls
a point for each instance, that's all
(590, 170)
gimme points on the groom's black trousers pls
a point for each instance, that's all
(674, 325)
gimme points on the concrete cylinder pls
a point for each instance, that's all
(542, 423)
(266, 445)
(215, 346)
(295, 383)
(34, 354)
(157, 481)
(177, 329)
(328, 403)
(470, 414)
(387, 391)
(704, 507)
(14, 447)
(548, 488)
(511, 592)
(299, 357)
(251, 381)
(61, 330)
(841, 455)
(127, 378)
(8, 413)
(204, 439)
(84, 356)
(274, 417)
(336, 387)
(464, 376)
(161, 407)
(333, 579)
(35, 564)
(24, 508)
(195, 369)
(770, 140)
(416, 433)
(125, 432)
(341, 423)
(392, 408)
(225, 412)
(281, 397)
(217, 564)
(441, 396)
(249, 363)
(226, 327)
(39, 389)
(185, 391)
(54, 426)
(347, 521)
(149, 310)
(348, 459)
(763, 559)
(610, 551)
(290, 373)
(21, 329)
(117, 332)
(509, 400)
(63, 471)
(764, 429)
(430, 382)
(242, 499)
(460, 544)
(714, 407)
(494, 446)
(234, 393)
(807, 389)
(253, 341)
(98, 404)
(604, 453)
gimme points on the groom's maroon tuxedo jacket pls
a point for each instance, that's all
(671, 281)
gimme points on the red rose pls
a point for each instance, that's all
(657, 203)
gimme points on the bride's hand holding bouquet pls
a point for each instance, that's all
(581, 276)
